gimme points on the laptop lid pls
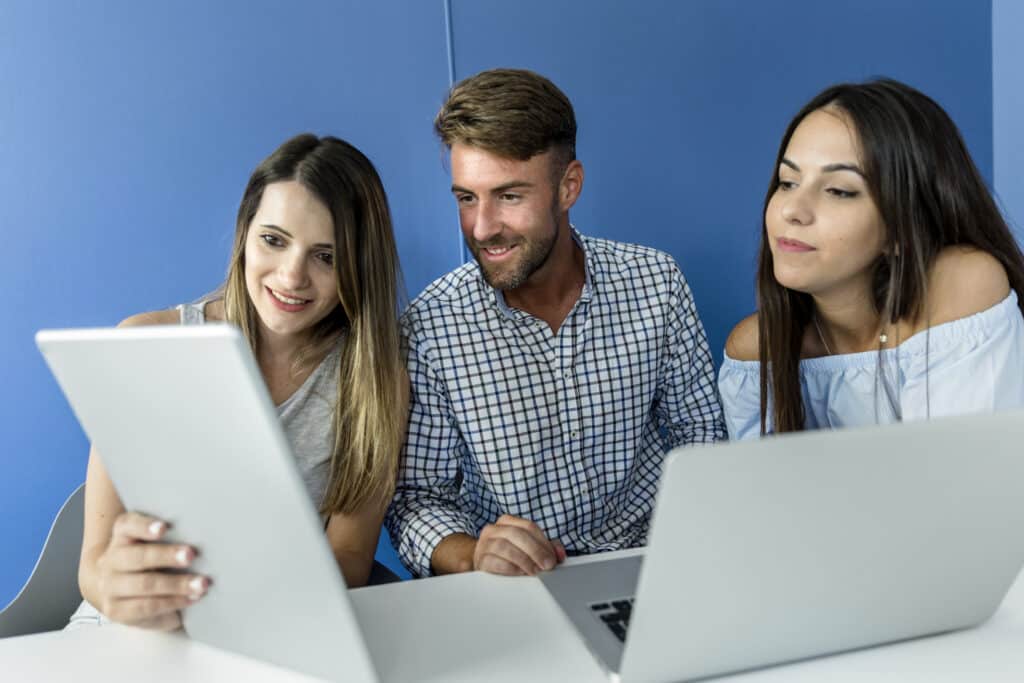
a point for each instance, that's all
(184, 424)
(801, 545)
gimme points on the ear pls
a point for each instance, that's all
(891, 250)
(571, 185)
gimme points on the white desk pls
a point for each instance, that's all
(476, 627)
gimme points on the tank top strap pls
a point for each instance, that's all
(192, 314)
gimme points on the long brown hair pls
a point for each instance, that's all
(929, 194)
(367, 432)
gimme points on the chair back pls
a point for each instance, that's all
(51, 594)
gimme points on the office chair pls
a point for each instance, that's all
(51, 593)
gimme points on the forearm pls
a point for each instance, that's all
(354, 566)
(88, 577)
(454, 554)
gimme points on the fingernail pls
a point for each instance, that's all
(156, 528)
(198, 585)
(182, 556)
(549, 564)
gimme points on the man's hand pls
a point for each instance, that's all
(515, 546)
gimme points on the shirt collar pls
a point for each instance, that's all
(585, 295)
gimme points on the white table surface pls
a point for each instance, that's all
(476, 627)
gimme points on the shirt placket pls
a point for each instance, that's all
(571, 413)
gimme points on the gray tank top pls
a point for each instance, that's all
(306, 415)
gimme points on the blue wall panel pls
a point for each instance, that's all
(681, 105)
(1008, 108)
(128, 135)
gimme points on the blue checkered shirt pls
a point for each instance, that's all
(568, 430)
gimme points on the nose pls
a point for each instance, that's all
(486, 222)
(293, 272)
(796, 208)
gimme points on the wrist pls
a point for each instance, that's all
(454, 554)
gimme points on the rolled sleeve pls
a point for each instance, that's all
(425, 509)
(688, 407)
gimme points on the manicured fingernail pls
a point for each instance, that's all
(197, 585)
(181, 557)
(156, 528)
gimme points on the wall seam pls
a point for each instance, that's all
(450, 45)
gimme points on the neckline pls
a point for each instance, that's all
(906, 346)
(283, 405)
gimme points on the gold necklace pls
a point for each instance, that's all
(882, 337)
(820, 335)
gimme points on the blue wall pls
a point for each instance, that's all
(1008, 108)
(127, 139)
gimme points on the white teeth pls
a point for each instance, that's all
(287, 300)
(496, 251)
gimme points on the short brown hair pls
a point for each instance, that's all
(514, 113)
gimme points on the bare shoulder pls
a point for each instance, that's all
(214, 311)
(167, 317)
(744, 340)
(964, 281)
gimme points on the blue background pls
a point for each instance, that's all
(128, 131)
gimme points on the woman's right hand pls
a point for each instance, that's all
(131, 579)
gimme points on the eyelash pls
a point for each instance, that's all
(505, 197)
(786, 185)
(274, 241)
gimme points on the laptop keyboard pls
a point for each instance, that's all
(615, 615)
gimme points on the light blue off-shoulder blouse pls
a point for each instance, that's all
(971, 365)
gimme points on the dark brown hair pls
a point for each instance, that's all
(929, 194)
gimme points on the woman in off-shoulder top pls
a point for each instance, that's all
(889, 286)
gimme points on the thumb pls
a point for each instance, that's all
(560, 553)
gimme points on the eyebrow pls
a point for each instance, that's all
(278, 228)
(828, 168)
(514, 184)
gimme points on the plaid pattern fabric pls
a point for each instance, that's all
(566, 430)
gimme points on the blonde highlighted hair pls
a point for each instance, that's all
(367, 429)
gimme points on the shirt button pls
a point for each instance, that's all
(575, 435)
(567, 374)
(584, 488)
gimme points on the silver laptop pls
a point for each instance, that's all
(185, 426)
(796, 546)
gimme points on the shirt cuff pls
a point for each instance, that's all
(425, 532)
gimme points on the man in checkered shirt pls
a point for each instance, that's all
(549, 377)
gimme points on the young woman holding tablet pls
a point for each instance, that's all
(312, 283)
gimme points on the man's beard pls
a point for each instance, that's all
(533, 255)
